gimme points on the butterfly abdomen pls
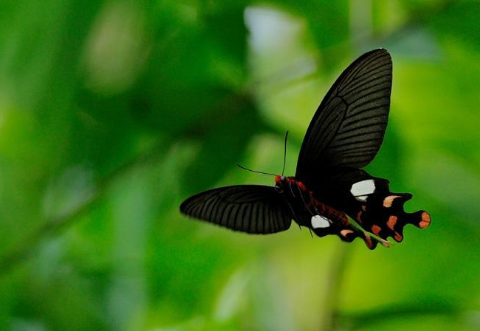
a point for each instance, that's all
(309, 211)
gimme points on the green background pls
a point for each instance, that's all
(113, 112)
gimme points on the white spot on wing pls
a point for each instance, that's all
(320, 222)
(362, 198)
(364, 187)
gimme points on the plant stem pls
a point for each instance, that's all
(340, 259)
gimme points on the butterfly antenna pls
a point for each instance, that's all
(285, 153)
(255, 171)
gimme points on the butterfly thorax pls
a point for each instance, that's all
(308, 210)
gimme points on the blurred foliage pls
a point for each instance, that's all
(113, 112)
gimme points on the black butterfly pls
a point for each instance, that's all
(345, 134)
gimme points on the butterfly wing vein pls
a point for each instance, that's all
(246, 208)
(349, 125)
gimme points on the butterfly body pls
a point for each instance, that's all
(329, 186)
(307, 210)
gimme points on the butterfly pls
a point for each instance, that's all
(329, 186)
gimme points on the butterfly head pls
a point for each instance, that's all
(279, 183)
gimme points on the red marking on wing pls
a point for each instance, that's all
(388, 201)
(398, 237)
(376, 229)
(345, 232)
(425, 222)
(369, 242)
(392, 220)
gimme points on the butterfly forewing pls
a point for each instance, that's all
(348, 127)
(246, 208)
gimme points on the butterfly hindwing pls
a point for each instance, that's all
(348, 126)
(370, 203)
(247, 208)
(382, 213)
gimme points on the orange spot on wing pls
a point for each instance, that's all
(345, 232)
(392, 220)
(398, 237)
(368, 241)
(376, 229)
(387, 203)
(425, 222)
(277, 179)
